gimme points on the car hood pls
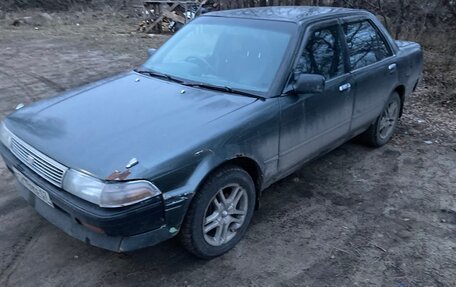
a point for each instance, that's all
(100, 128)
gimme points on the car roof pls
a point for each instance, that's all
(285, 13)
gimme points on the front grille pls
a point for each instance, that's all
(44, 166)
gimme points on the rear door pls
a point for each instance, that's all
(310, 123)
(373, 69)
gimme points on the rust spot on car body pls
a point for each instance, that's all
(117, 175)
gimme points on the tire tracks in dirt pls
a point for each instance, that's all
(4, 69)
(341, 265)
(46, 81)
(11, 259)
(21, 84)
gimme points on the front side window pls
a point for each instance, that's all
(323, 54)
(365, 45)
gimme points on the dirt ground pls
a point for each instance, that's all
(356, 217)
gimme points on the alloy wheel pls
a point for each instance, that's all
(389, 119)
(225, 214)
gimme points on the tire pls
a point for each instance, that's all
(223, 222)
(382, 130)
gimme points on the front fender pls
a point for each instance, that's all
(250, 133)
(177, 200)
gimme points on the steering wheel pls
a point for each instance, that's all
(200, 61)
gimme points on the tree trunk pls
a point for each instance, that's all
(400, 21)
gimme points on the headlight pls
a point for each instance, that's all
(5, 135)
(106, 194)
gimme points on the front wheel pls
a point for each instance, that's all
(219, 214)
(382, 130)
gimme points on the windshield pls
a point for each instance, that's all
(240, 54)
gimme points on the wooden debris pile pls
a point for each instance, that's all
(168, 16)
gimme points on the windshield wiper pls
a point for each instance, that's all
(225, 89)
(153, 73)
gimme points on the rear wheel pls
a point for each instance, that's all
(219, 214)
(382, 130)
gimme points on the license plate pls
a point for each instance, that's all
(35, 189)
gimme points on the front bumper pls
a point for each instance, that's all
(120, 229)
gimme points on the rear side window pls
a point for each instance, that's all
(365, 45)
(323, 54)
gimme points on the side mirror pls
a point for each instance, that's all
(309, 84)
(151, 51)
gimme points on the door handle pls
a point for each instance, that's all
(345, 87)
(392, 67)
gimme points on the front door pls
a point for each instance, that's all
(310, 123)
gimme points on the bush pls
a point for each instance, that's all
(59, 5)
